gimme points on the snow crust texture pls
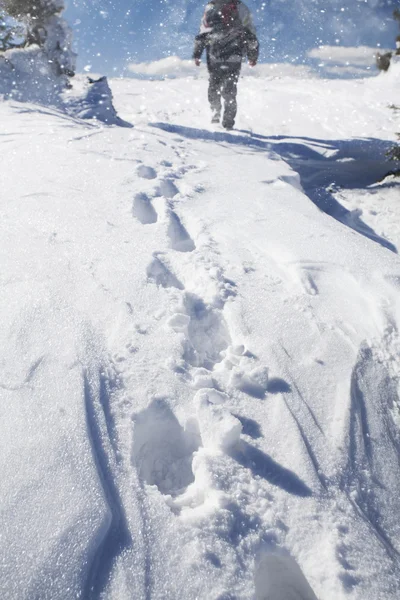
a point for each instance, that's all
(199, 386)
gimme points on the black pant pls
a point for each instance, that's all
(223, 83)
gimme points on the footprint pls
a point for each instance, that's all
(167, 188)
(207, 333)
(308, 282)
(179, 238)
(143, 209)
(146, 172)
(159, 273)
(162, 450)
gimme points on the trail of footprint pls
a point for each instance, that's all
(143, 209)
(178, 236)
(198, 463)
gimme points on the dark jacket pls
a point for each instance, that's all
(227, 34)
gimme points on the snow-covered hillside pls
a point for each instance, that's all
(200, 347)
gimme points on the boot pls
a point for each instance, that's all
(226, 124)
(216, 116)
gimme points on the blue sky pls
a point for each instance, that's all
(109, 34)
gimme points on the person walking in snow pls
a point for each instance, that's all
(228, 35)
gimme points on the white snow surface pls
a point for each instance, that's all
(200, 346)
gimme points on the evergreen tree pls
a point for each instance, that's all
(12, 34)
(383, 60)
(32, 10)
(4, 32)
(45, 28)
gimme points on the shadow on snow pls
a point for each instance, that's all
(321, 164)
(264, 466)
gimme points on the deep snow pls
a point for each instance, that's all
(200, 348)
